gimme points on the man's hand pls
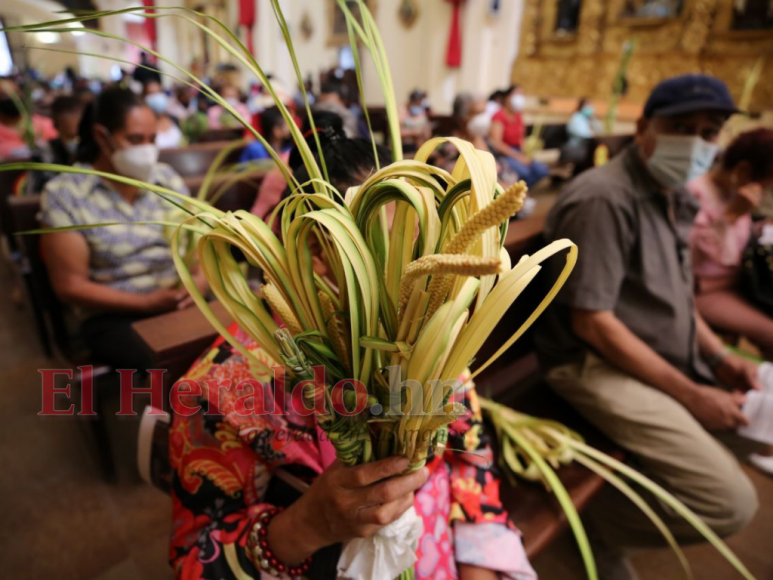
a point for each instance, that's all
(738, 373)
(715, 409)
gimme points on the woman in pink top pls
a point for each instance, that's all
(220, 118)
(12, 143)
(722, 229)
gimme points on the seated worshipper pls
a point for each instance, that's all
(66, 115)
(147, 70)
(113, 275)
(168, 135)
(274, 186)
(16, 139)
(181, 103)
(220, 118)
(474, 124)
(624, 343)
(507, 136)
(331, 100)
(197, 123)
(415, 128)
(723, 227)
(66, 112)
(274, 129)
(215, 509)
(582, 127)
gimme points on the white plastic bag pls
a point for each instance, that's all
(386, 554)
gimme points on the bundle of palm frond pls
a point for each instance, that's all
(408, 306)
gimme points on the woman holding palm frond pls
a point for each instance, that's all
(230, 468)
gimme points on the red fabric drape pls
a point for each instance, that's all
(247, 19)
(150, 24)
(454, 51)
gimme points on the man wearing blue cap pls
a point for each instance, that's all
(624, 343)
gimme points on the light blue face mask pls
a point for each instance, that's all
(157, 102)
(679, 159)
(588, 110)
(72, 145)
(416, 110)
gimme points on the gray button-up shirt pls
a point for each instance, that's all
(634, 259)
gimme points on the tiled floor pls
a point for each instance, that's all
(59, 520)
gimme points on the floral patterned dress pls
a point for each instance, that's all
(224, 461)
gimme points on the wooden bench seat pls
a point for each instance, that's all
(194, 160)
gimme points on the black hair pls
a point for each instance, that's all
(346, 160)
(755, 148)
(83, 94)
(66, 105)
(329, 87)
(270, 119)
(510, 89)
(495, 95)
(417, 95)
(8, 107)
(110, 110)
(329, 126)
(581, 103)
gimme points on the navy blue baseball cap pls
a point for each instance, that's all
(689, 94)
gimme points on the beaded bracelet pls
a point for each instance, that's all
(262, 555)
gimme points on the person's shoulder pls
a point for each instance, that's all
(166, 173)
(606, 186)
(255, 147)
(165, 176)
(70, 185)
(499, 116)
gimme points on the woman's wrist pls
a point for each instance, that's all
(291, 536)
(264, 555)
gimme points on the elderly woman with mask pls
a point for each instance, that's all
(113, 275)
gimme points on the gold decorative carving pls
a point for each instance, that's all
(700, 40)
(530, 27)
(698, 26)
(591, 27)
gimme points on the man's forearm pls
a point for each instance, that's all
(709, 344)
(622, 348)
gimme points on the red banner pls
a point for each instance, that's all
(454, 51)
(247, 19)
(150, 24)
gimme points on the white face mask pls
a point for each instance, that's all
(518, 101)
(233, 101)
(679, 159)
(479, 125)
(136, 162)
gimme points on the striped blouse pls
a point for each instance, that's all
(130, 257)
